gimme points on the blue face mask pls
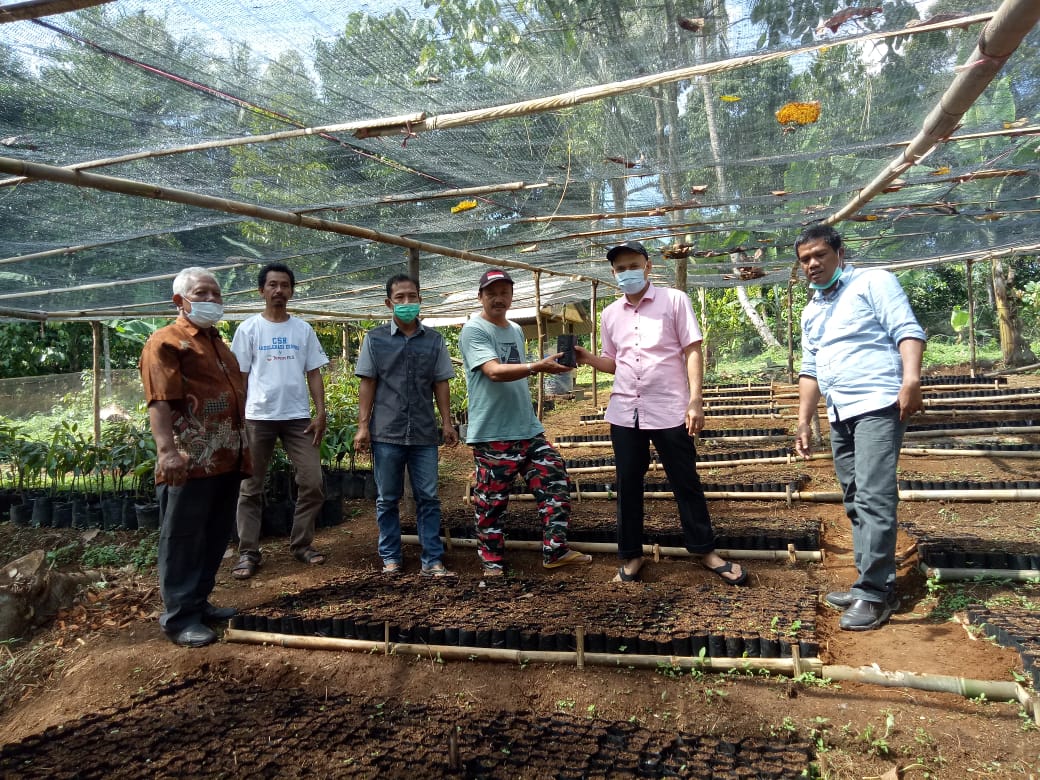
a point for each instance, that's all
(831, 283)
(406, 312)
(631, 282)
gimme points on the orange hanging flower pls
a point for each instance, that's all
(465, 205)
(799, 113)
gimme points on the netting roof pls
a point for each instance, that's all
(339, 136)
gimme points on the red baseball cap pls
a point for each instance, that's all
(493, 275)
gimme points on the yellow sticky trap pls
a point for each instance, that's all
(729, 98)
(799, 113)
(464, 205)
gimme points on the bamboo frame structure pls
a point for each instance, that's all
(189, 198)
(1001, 36)
(418, 122)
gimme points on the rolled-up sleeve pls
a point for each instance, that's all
(893, 310)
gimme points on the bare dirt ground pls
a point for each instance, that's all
(102, 693)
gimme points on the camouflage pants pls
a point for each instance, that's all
(541, 467)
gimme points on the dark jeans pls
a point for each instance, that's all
(866, 453)
(678, 455)
(197, 518)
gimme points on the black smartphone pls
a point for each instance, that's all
(565, 344)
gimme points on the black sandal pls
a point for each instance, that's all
(310, 556)
(624, 576)
(248, 563)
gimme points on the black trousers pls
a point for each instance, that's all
(678, 455)
(197, 519)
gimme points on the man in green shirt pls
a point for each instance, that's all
(506, 436)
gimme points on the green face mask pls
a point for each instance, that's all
(406, 312)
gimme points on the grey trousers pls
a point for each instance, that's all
(306, 460)
(866, 453)
(195, 527)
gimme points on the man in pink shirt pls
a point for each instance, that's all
(652, 345)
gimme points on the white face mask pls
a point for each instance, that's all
(205, 314)
(632, 281)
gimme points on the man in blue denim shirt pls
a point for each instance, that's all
(861, 350)
(403, 365)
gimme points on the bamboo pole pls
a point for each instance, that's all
(522, 657)
(951, 573)
(95, 396)
(602, 91)
(116, 283)
(827, 497)
(972, 412)
(1016, 370)
(418, 122)
(594, 344)
(988, 399)
(189, 198)
(994, 431)
(396, 122)
(413, 263)
(814, 556)
(23, 314)
(997, 42)
(790, 458)
(993, 690)
(462, 192)
(34, 9)
(1006, 494)
(1002, 454)
(540, 336)
(971, 317)
(790, 330)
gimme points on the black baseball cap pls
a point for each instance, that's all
(493, 275)
(630, 246)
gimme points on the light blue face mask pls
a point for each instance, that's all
(837, 275)
(406, 312)
(631, 282)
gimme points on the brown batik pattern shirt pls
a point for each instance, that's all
(193, 369)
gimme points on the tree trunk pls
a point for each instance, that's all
(757, 321)
(1015, 350)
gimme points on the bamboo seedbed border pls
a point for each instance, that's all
(953, 573)
(815, 496)
(795, 666)
(1003, 454)
(994, 431)
(984, 399)
(653, 551)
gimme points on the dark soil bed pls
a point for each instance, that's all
(259, 731)
(659, 618)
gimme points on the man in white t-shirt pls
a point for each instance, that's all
(281, 359)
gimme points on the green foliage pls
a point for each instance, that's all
(142, 555)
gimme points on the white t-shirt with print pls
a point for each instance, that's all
(277, 357)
